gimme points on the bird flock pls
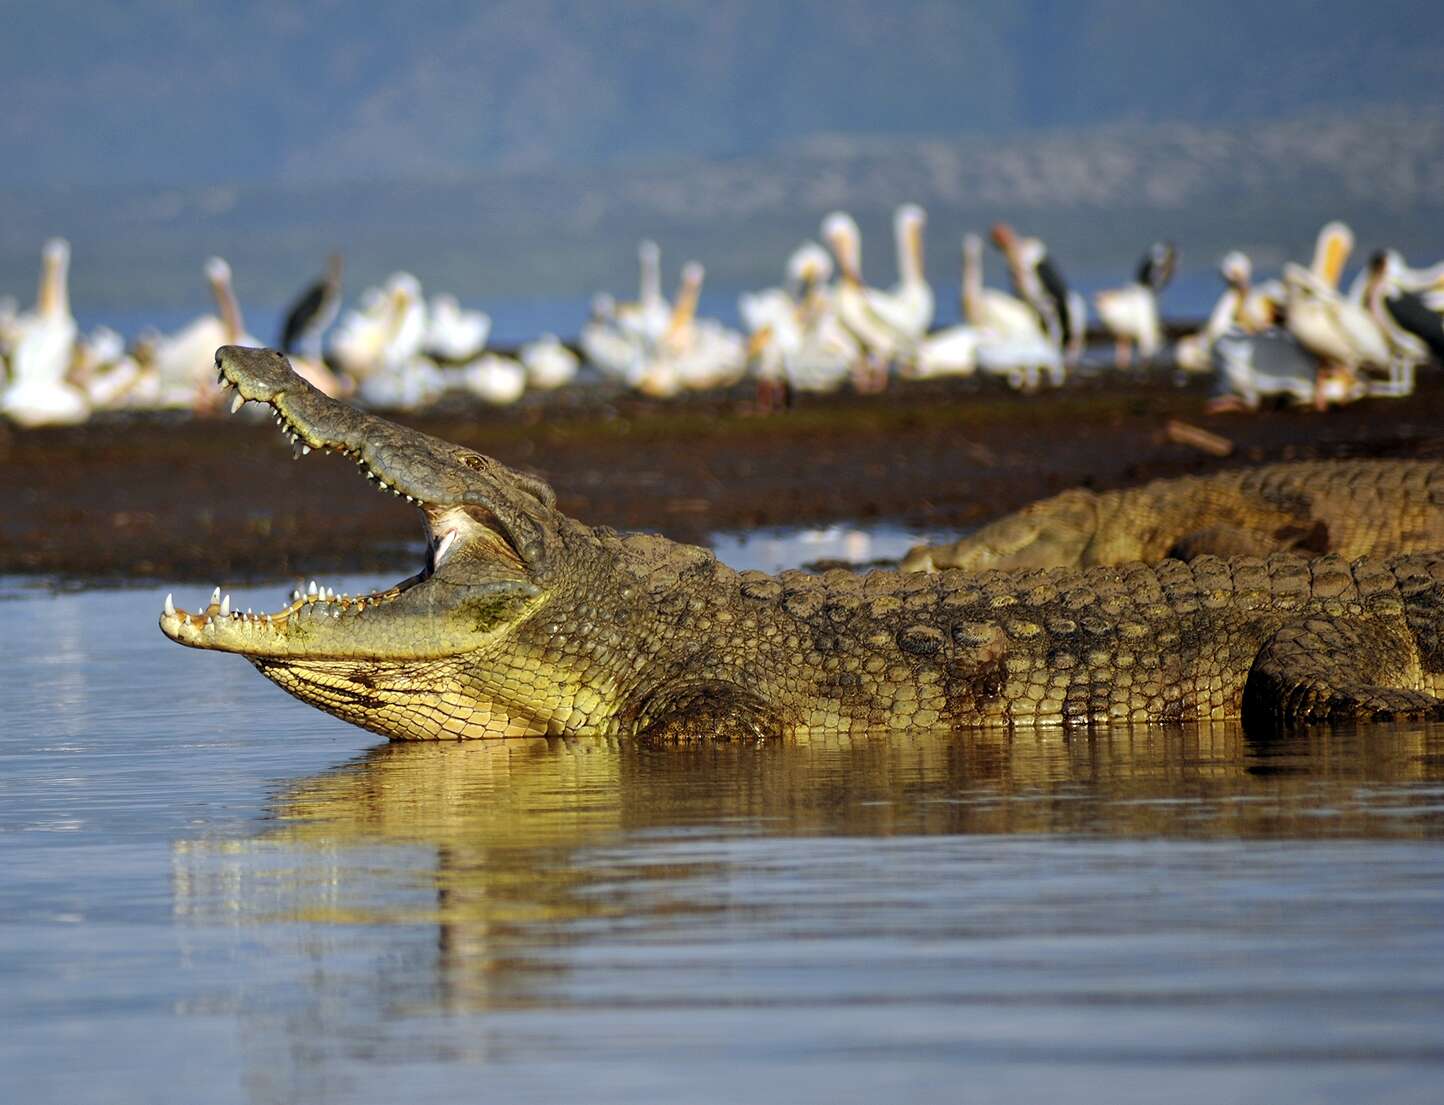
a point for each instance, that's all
(1298, 338)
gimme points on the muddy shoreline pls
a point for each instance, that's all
(223, 501)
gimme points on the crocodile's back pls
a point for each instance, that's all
(1350, 507)
(1138, 643)
(1354, 507)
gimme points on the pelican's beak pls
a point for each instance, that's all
(759, 341)
(1331, 252)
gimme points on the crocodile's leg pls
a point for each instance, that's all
(1229, 541)
(1223, 541)
(1324, 669)
(709, 710)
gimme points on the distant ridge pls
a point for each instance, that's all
(1097, 194)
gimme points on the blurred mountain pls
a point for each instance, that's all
(521, 148)
(171, 92)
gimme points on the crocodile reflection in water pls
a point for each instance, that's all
(518, 850)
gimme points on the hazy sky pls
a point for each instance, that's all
(166, 91)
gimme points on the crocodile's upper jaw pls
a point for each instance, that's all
(486, 533)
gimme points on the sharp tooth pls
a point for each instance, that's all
(248, 611)
(170, 604)
(311, 590)
(215, 596)
(226, 607)
(442, 546)
(238, 402)
(305, 449)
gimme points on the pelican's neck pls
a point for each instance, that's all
(850, 260)
(229, 308)
(400, 308)
(909, 240)
(52, 297)
(649, 259)
(973, 280)
(1225, 311)
(684, 310)
(849, 257)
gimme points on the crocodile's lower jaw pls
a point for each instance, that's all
(217, 625)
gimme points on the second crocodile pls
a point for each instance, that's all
(1308, 508)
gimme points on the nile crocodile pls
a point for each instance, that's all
(525, 621)
(1350, 507)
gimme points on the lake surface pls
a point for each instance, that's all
(212, 893)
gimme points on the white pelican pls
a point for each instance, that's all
(789, 330)
(1193, 353)
(808, 267)
(385, 331)
(454, 333)
(648, 318)
(1331, 327)
(806, 348)
(1003, 316)
(1036, 279)
(39, 392)
(1011, 340)
(826, 352)
(952, 351)
(496, 379)
(549, 364)
(52, 306)
(616, 354)
(695, 353)
(312, 312)
(880, 340)
(1392, 294)
(184, 363)
(1130, 313)
(413, 384)
(908, 307)
(110, 378)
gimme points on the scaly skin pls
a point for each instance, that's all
(1350, 507)
(530, 622)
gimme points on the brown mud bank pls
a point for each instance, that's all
(223, 500)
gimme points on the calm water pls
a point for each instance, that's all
(212, 893)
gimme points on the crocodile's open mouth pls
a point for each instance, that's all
(472, 558)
